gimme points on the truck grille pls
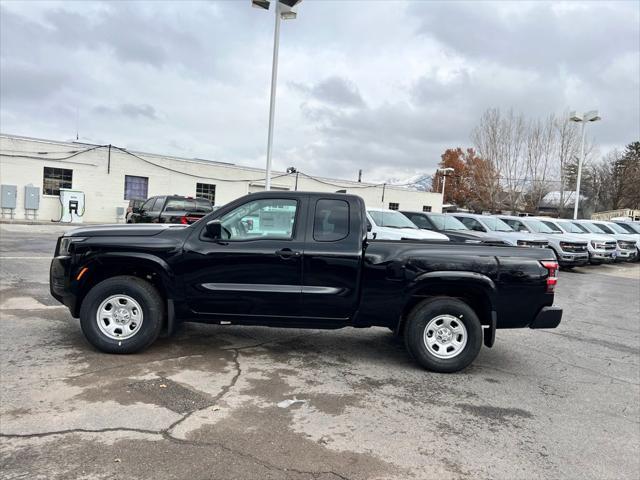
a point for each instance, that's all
(533, 243)
(573, 247)
(610, 245)
(626, 245)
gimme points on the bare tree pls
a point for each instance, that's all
(499, 139)
(540, 150)
(486, 137)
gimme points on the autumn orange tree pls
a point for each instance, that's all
(471, 184)
(457, 190)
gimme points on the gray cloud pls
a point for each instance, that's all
(335, 91)
(128, 110)
(386, 88)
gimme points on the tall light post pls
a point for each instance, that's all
(590, 116)
(284, 10)
(444, 172)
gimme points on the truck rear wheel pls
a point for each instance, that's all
(443, 334)
(122, 314)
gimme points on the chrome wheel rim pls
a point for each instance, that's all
(119, 317)
(445, 336)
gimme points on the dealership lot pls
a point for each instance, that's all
(251, 402)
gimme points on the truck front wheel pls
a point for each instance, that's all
(443, 334)
(122, 314)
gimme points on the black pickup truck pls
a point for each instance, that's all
(299, 259)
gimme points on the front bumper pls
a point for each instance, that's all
(567, 258)
(59, 279)
(602, 256)
(625, 255)
(548, 317)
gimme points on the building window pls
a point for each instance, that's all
(55, 179)
(135, 188)
(426, 208)
(206, 190)
(394, 206)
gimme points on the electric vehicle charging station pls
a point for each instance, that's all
(71, 205)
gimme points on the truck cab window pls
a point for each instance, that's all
(420, 222)
(472, 224)
(271, 218)
(331, 222)
(517, 225)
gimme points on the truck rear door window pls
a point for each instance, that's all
(331, 221)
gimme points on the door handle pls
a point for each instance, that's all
(287, 253)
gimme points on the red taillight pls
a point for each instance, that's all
(184, 221)
(552, 279)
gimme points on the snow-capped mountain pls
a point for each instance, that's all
(420, 182)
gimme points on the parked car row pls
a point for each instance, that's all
(574, 242)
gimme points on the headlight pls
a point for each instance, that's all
(66, 242)
(595, 244)
(473, 241)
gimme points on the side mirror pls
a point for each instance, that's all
(214, 229)
(369, 227)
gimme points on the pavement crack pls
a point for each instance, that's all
(220, 394)
(79, 430)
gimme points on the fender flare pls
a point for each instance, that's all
(156, 264)
(452, 277)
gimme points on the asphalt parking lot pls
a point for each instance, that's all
(248, 402)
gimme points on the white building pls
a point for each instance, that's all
(110, 177)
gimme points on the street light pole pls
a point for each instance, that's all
(580, 161)
(444, 183)
(272, 102)
(591, 116)
(284, 10)
(444, 179)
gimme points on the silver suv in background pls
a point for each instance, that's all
(494, 227)
(383, 224)
(627, 243)
(600, 248)
(570, 250)
(632, 228)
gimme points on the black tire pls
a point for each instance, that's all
(420, 317)
(145, 294)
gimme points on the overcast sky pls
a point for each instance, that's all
(384, 86)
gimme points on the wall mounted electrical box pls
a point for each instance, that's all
(8, 194)
(31, 197)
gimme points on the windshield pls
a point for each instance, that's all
(553, 227)
(572, 227)
(582, 228)
(538, 226)
(495, 224)
(591, 227)
(446, 222)
(604, 228)
(391, 219)
(616, 228)
(629, 227)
